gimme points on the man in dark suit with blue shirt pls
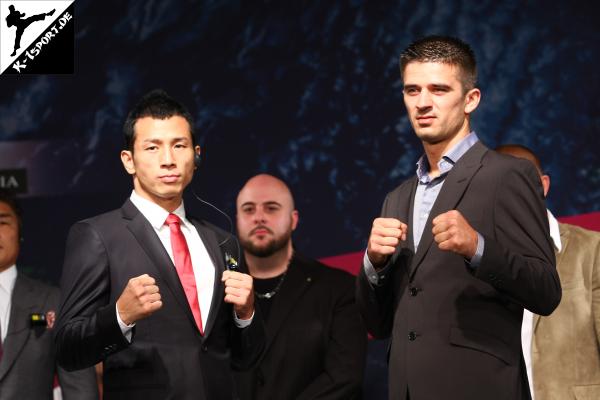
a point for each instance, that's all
(459, 250)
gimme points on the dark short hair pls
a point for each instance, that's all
(156, 104)
(443, 49)
(8, 197)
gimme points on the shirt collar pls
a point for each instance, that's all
(448, 160)
(554, 231)
(154, 213)
(8, 278)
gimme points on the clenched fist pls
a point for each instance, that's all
(386, 235)
(139, 299)
(452, 232)
(239, 291)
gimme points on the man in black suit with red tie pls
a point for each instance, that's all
(459, 250)
(145, 288)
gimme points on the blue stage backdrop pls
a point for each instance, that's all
(309, 91)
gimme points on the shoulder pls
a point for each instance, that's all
(101, 220)
(36, 287)
(403, 187)
(509, 173)
(581, 235)
(507, 163)
(208, 227)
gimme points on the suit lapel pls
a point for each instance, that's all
(402, 210)
(211, 243)
(455, 184)
(23, 303)
(151, 244)
(297, 280)
(408, 205)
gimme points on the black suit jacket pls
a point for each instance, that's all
(167, 358)
(28, 364)
(316, 340)
(455, 331)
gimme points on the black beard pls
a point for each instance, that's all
(271, 248)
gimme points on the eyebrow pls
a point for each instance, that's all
(435, 85)
(441, 86)
(272, 203)
(267, 203)
(157, 140)
(5, 215)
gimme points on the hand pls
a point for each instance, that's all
(239, 291)
(139, 299)
(452, 232)
(385, 236)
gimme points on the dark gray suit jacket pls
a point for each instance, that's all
(28, 364)
(456, 331)
(167, 358)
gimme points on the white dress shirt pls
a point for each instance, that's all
(204, 269)
(527, 326)
(7, 284)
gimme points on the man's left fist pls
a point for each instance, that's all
(239, 291)
(452, 232)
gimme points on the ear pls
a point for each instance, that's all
(127, 160)
(294, 219)
(546, 184)
(472, 99)
(197, 158)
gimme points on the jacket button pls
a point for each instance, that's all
(204, 348)
(412, 336)
(413, 291)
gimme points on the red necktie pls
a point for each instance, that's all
(183, 265)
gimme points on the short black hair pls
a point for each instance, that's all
(443, 49)
(159, 105)
(8, 197)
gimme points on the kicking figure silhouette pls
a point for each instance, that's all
(15, 18)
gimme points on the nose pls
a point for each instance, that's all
(167, 158)
(259, 216)
(424, 100)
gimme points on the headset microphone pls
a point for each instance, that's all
(230, 262)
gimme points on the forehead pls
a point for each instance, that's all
(422, 73)
(6, 210)
(262, 191)
(148, 128)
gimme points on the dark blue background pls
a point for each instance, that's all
(307, 90)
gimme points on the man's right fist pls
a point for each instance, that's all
(139, 299)
(385, 236)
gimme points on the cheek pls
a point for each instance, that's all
(243, 225)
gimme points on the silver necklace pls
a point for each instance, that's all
(273, 292)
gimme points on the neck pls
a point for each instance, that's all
(170, 204)
(7, 266)
(435, 151)
(271, 266)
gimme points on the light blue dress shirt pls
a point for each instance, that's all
(428, 189)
